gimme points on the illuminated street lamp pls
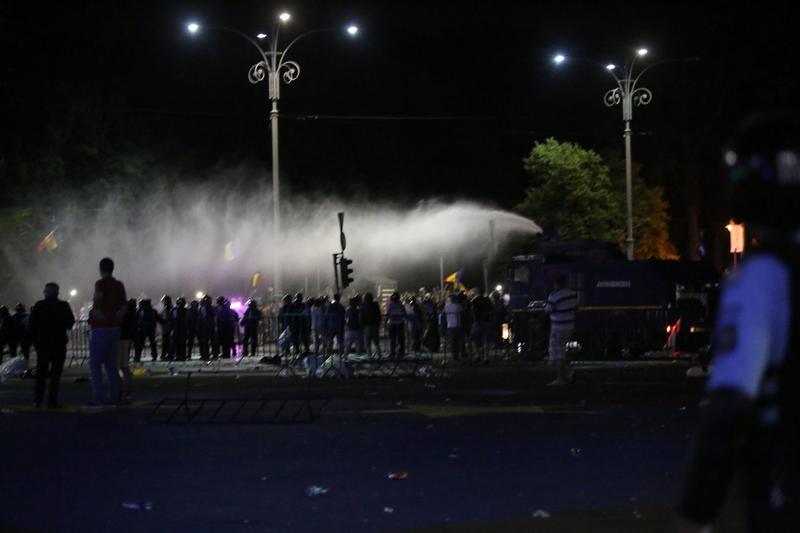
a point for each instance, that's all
(273, 67)
(629, 94)
(73, 293)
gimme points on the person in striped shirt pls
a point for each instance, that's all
(561, 305)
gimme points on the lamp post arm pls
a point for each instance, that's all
(683, 60)
(264, 55)
(289, 46)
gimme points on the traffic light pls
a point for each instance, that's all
(345, 271)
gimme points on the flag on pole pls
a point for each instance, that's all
(455, 277)
(49, 243)
(231, 250)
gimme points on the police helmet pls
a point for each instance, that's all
(166, 299)
(763, 171)
(194, 304)
(206, 299)
(19, 308)
(287, 299)
(181, 301)
(221, 300)
(145, 302)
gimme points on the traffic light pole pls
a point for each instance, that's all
(336, 270)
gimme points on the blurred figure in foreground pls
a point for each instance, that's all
(751, 423)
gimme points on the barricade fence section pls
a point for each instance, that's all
(291, 336)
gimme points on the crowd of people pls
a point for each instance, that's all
(413, 323)
(466, 324)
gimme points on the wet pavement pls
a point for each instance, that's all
(484, 449)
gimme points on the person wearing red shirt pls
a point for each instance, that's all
(105, 319)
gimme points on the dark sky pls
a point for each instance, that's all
(478, 76)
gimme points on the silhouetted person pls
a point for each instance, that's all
(334, 324)
(371, 323)
(127, 336)
(167, 349)
(431, 338)
(179, 327)
(396, 322)
(416, 321)
(5, 325)
(318, 333)
(482, 311)
(226, 327)
(105, 318)
(250, 322)
(18, 334)
(207, 328)
(146, 320)
(454, 321)
(192, 318)
(50, 320)
(300, 324)
(352, 328)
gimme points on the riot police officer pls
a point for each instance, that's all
(227, 321)
(192, 317)
(207, 328)
(250, 321)
(167, 349)
(751, 423)
(179, 328)
(146, 320)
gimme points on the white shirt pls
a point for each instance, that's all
(561, 305)
(752, 328)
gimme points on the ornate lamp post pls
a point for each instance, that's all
(628, 94)
(274, 67)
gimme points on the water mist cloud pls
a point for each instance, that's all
(173, 239)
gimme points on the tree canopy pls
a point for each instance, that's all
(576, 194)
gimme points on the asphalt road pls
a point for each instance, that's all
(484, 449)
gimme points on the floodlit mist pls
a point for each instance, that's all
(192, 240)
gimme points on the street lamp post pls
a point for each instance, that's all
(273, 67)
(628, 94)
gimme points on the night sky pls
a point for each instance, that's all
(431, 99)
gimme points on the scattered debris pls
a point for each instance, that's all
(575, 452)
(137, 505)
(388, 510)
(541, 513)
(7, 411)
(397, 476)
(314, 490)
(453, 456)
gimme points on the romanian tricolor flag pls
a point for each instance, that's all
(231, 250)
(49, 243)
(455, 277)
